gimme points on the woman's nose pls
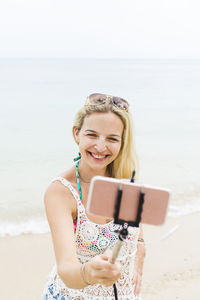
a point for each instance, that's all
(100, 145)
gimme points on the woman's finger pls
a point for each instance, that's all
(106, 282)
(106, 255)
(99, 263)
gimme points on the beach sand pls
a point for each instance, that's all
(172, 265)
(171, 270)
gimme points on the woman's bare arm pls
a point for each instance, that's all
(139, 262)
(60, 207)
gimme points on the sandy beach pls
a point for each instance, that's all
(172, 266)
(171, 271)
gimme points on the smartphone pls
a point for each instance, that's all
(102, 198)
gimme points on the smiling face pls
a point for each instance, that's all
(99, 140)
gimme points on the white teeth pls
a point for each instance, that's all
(98, 156)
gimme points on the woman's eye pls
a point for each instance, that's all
(113, 139)
(91, 134)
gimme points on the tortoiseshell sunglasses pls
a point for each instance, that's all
(98, 99)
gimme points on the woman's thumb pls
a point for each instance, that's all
(107, 255)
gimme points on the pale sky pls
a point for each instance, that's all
(100, 29)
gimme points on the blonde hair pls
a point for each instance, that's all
(125, 163)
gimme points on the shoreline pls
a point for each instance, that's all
(39, 226)
(171, 269)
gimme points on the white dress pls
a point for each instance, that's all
(93, 239)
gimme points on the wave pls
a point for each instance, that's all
(176, 211)
(27, 227)
(33, 226)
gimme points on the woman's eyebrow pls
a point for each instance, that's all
(90, 130)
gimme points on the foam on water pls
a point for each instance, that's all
(29, 227)
(176, 211)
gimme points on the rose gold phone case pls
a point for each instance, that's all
(102, 197)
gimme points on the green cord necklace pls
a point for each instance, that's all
(78, 181)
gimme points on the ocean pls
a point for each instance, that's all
(38, 101)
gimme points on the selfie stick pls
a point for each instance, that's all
(124, 231)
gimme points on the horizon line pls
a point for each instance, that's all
(101, 58)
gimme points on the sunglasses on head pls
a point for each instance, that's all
(98, 99)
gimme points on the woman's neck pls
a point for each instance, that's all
(86, 173)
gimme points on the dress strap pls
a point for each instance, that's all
(66, 183)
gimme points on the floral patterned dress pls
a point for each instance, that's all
(93, 239)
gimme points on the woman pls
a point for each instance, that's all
(83, 244)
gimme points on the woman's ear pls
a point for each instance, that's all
(76, 134)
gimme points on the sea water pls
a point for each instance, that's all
(38, 101)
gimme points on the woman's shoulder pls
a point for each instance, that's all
(66, 178)
(61, 190)
(69, 176)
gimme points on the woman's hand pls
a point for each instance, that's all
(138, 268)
(100, 271)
